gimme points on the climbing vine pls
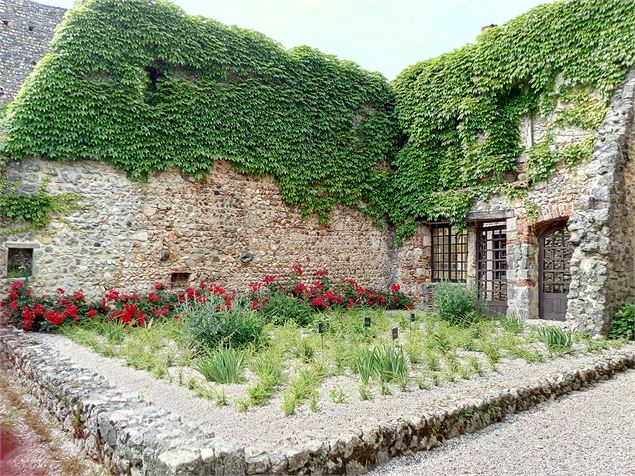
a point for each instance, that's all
(461, 112)
(145, 87)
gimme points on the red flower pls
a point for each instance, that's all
(255, 286)
(254, 305)
(60, 290)
(92, 313)
(154, 297)
(17, 285)
(268, 279)
(78, 295)
(321, 272)
(54, 318)
(298, 269)
(395, 287)
(158, 286)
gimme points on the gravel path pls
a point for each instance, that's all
(585, 433)
(266, 427)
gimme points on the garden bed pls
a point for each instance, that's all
(290, 378)
(320, 394)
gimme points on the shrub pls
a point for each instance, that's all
(555, 338)
(209, 324)
(224, 365)
(456, 303)
(513, 324)
(623, 323)
(281, 308)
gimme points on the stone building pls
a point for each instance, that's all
(572, 257)
(25, 30)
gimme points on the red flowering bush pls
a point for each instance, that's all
(23, 309)
(320, 293)
(292, 297)
(43, 313)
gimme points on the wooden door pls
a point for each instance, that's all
(491, 266)
(555, 272)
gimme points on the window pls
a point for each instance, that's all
(19, 262)
(449, 254)
(179, 280)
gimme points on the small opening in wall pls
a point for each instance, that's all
(31, 28)
(19, 262)
(5, 22)
(180, 280)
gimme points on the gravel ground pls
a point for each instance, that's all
(32, 442)
(266, 427)
(584, 433)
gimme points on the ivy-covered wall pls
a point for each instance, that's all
(145, 87)
(461, 112)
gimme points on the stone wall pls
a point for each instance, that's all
(133, 234)
(133, 437)
(602, 225)
(26, 28)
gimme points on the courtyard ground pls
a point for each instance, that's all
(31, 441)
(584, 433)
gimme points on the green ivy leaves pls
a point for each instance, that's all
(139, 84)
(143, 86)
(462, 110)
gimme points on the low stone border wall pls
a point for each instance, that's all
(132, 437)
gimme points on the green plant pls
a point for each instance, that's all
(221, 398)
(432, 360)
(35, 210)
(337, 395)
(301, 388)
(475, 364)
(223, 365)
(365, 393)
(414, 346)
(556, 339)
(281, 308)
(461, 111)
(241, 404)
(623, 323)
(384, 362)
(456, 303)
(208, 324)
(492, 353)
(132, 73)
(513, 324)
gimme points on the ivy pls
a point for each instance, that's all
(145, 87)
(36, 210)
(461, 111)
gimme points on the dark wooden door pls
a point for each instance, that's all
(555, 272)
(491, 266)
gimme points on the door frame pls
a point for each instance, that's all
(493, 307)
(541, 263)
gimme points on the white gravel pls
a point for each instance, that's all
(266, 427)
(584, 433)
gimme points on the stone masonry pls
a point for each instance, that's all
(26, 28)
(232, 228)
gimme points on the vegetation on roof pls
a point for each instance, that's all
(143, 86)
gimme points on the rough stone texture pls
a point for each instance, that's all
(132, 437)
(131, 235)
(26, 28)
(602, 222)
(202, 227)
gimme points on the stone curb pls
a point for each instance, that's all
(133, 437)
